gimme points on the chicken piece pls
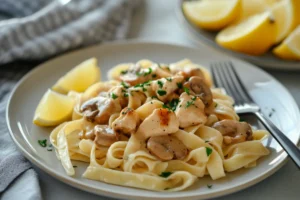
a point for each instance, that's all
(118, 93)
(127, 122)
(198, 87)
(233, 131)
(167, 147)
(104, 136)
(136, 99)
(165, 87)
(160, 122)
(99, 109)
(190, 111)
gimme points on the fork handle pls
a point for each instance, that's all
(292, 150)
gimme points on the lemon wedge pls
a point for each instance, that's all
(253, 36)
(80, 78)
(286, 14)
(53, 109)
(253, 7)
(290, 48)
(212, 14)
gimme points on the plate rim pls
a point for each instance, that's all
(99, 191)
(199, 38)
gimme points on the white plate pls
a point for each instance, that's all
(200, 35)
(264, 88)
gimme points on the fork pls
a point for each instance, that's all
(225, 75)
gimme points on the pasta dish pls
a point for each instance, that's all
(156, 127)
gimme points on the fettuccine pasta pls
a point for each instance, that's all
(156, 127)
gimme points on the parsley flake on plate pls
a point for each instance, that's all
(43, 143)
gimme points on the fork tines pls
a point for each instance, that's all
(225, 75)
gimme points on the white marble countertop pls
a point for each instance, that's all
(156, 21)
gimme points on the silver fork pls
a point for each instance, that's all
(225, 75)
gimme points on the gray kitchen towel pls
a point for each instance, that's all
(43, 28)
(31, 30)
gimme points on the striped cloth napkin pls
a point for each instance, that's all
(31, 31)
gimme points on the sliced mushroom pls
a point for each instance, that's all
(167, 147)
(190, 111)
(135, 75)
(160, 122)
(127, 122)
(99, 109)
(105, 136)
(188, 72)
(199, 88)
(234, 131)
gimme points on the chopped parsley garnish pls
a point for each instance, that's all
(206, 141)
(74, 166)
(161, 92)
(208, 151)
(154, 75)
(160, 84)
(139, 85)
(114, 96)
(216, 105)
(154, 97)
(169, 79)
(209, 186)
(149, 72)
(189, 103)
(179, 85)
(124, 72)
(165, 174)
(43, 143)
(124, 85)
(142, 85)
(192, 102)
(166, 106)
(125, 95)
(138, 73)
(187, 78)
(187, 90)
(173, 104)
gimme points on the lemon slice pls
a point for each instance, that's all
(253, 36)
(212, 14)
(286, 14)
(80, 78)
(290, 48)
(253, 7)
(53, 109)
